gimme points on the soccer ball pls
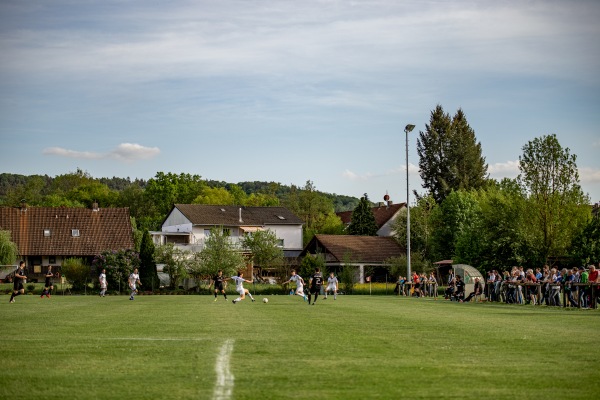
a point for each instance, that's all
(265, 300)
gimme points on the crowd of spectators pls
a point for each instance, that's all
(567, 287)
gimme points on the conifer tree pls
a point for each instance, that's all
(449, 155)
(363, 221)
(148, 274)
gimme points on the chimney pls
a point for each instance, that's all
(241, 220)
(95, 206)
(23, 205)
(389, 203)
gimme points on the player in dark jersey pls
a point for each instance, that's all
(48, 286)
(314, 284)
(219, 281)
(19, 280)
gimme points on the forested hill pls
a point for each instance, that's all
(44, 190)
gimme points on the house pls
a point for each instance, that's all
(385, 214)
(359, 251)
(189, 225)
(48, 235)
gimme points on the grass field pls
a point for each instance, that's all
(358, 347)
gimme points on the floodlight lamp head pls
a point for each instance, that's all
(409, 128)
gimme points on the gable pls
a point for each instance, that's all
(40, 231)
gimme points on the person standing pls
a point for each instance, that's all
(314, 284)
(332, 285)
(103, 282)
(19, 281)
(239, 287)
(134, 279)
(299, 284)
(48, 286)
(219, 281)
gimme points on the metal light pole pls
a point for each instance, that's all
(408, 129)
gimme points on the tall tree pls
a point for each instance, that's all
(362, 221)
(550, 176)
(148, 273)
(219, 253)
(449, 156)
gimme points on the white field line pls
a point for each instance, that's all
(224, 384)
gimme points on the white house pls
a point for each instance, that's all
(189, 225)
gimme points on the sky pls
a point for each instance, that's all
(291, 91)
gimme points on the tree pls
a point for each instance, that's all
(148, 273)
(8, 249)
(264, 247)
(76, 271)
(219, 253)
(421, 227)
(175, 262)
(310, 206)
(362, 221)
(559, 208)
(449, 156)
(453, 218)
(586, 244)
(164, 190)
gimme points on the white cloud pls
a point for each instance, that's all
(589, 175)
(127, 152)
(504, 169)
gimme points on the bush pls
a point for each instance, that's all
(76, 272)
(30, 287)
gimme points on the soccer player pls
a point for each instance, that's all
(103, 283)
(314, 284)
(332, 285)
(299, 284)
(219, 282)
(48, 286)
(134, 279)
(20, 278)
(239, 287)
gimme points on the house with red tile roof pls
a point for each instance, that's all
(48, 235)
(385, 214)
(360, 251)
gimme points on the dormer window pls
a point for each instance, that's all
(47, 232)
(75, 232)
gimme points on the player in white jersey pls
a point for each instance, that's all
(134, 279)
(239, 287)
(299, 284)
(332, 285)
(103, 282)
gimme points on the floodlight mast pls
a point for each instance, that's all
(408, 129)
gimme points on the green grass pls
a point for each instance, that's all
(358, 347)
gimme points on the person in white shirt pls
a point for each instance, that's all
(103, 283)
(239, 287)
(332, 285)
(299, 284)
(134, 279)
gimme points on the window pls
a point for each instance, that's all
(206, 232)
(46, 232)
(75, 232)
(226, 232)
(280, 242)
(281, 217)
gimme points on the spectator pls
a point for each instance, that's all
(583, 290)
(531, 286)
(477, 290)
(459, 293)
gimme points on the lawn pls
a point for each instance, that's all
(357, 347)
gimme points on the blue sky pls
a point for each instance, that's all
(290, 91)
